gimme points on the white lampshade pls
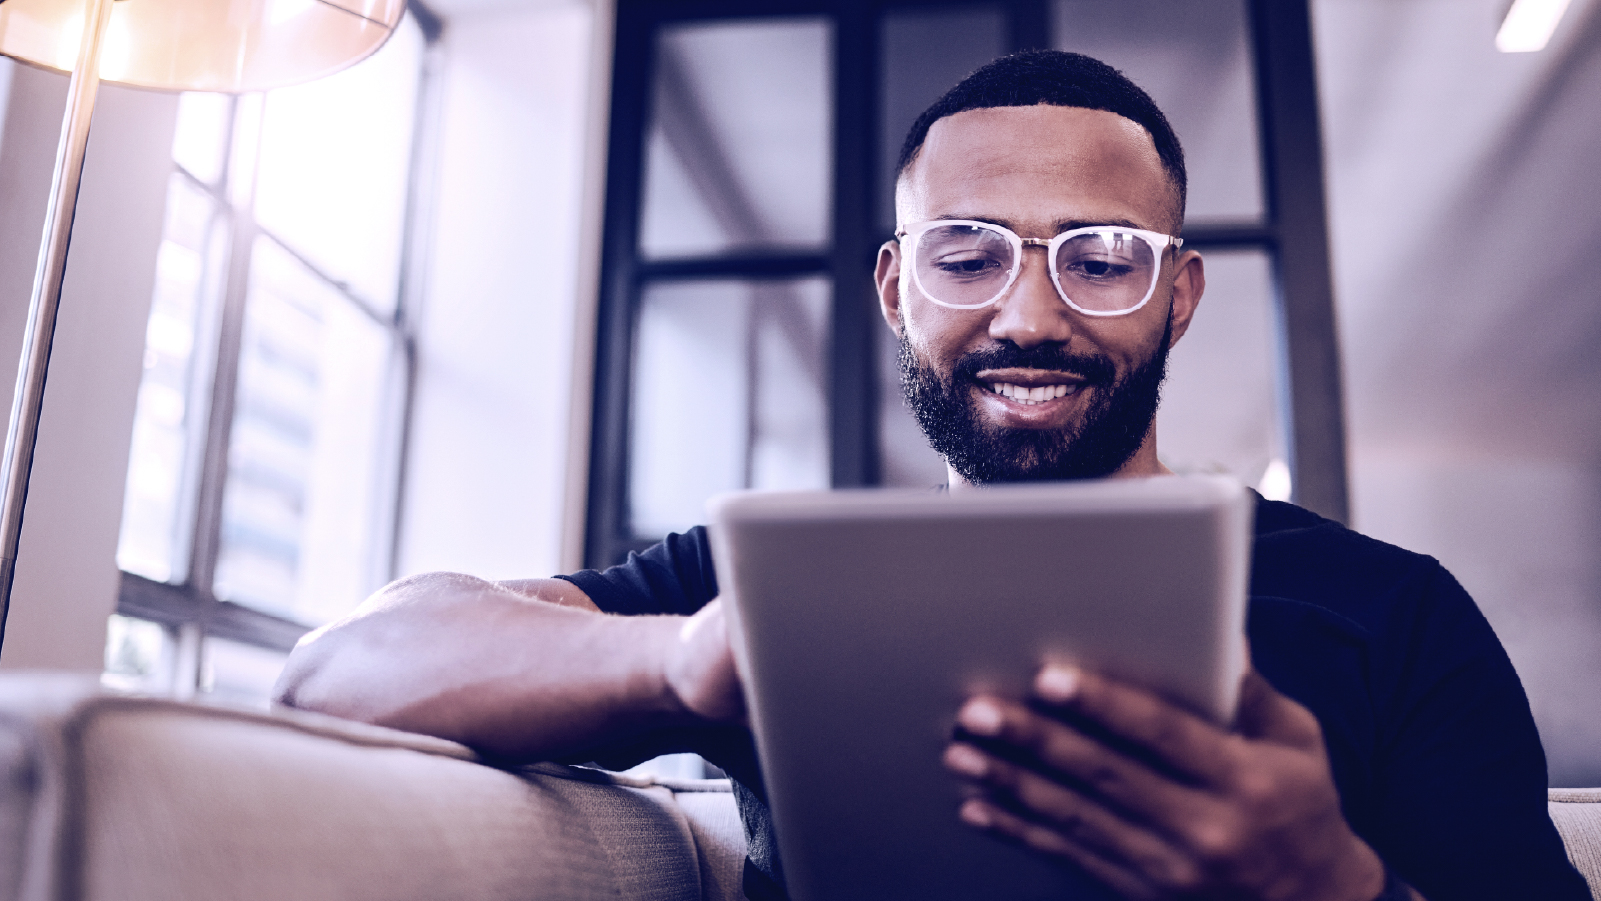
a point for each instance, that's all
(230, 46)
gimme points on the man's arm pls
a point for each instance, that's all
(525, 670)
(1158, 802)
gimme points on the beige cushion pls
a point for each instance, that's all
(105, 797)
(1577, 815)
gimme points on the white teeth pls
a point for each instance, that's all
(1031, 396)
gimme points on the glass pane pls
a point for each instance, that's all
(6, 67)
(1220, 406)
(926, 52)
(200, 143)
(310, 469)
(1194, 59)
(334, 165)
(738, 153)
(238, 674)
(170, 414)
(140, 656)
(729, 392)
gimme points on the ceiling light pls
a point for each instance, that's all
(1529, 25)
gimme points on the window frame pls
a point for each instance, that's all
(189, 610)
(1293, 233)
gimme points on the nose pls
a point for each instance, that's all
(1032, 313)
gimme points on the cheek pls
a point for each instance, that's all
(1127, 340)
(940, 334)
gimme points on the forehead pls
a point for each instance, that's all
(1038, 167)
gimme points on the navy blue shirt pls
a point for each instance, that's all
(1433, 747)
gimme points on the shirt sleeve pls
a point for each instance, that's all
(675, 576)
(1429, 733)
(1459, 761)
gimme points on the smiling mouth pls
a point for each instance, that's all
(1027, 395)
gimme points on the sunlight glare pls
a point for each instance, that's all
(1529, 25)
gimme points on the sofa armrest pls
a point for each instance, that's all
(111, 797)
(1577, 815)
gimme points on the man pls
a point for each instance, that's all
(1035, 289)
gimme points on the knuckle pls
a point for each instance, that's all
(1169, 730)
(1215, 841)
(1310, 722)
(1105, 776)
(1028, 730)
(1069, 820)
(1178, 874)
(1065, 748)
(1009, 778)
(1033, 793)
(1256, 786)
(1047, 840)
(1002, 775)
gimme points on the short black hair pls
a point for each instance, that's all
(1058, 78)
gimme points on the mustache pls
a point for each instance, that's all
(1093, 368)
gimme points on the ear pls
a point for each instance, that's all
(1189, 283)
(887, 276)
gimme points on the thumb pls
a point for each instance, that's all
(702, 670)
(1267, 715)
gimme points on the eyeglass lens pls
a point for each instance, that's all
(1104, 271)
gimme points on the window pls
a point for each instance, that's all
(264, 474)
(750, 183)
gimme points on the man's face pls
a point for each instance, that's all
(1038, 170)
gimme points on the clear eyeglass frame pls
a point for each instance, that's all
(1157, 241)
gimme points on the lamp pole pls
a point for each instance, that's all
(27, 401)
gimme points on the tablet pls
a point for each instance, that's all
(861, 620)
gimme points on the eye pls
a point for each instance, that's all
(1104, 258)
(1091, 269)
(970, 264)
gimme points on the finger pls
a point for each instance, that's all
(1104, 772)
(1007, 826)
(1174, 736)
(1266, 714)
(1047, 800)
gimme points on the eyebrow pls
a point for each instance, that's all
(1061, 225)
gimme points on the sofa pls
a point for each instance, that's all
(104, 796)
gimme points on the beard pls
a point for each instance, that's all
(1105, 437)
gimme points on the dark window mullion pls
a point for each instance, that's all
(1292, 169)
(225, 385)
(606, 524)
(852, 391)
(1226, 236)
(1030, 25)
(742, 266)
(425, 143)
(176, 606)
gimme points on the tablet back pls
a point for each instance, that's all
(863, 619)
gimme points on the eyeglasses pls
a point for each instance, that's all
(1102, 270)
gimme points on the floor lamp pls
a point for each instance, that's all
(229, 46)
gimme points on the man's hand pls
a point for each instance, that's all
(1163, 803)
(700, 668)
(524, 670)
